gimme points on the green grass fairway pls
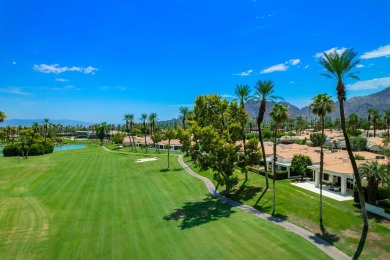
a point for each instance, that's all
(92, 204)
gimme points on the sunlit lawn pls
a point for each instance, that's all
(89, 203)
(341, 219)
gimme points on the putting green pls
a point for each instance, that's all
(93, 204)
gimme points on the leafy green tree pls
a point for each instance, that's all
(317, 139)
(299, 164)
(279, 115)
(3, 116)
(170, 134)
(321, 105)
(264, 91)
(358, 144)
(101, 132)
(215, 129)
(156, 138)
(118, 138)
(339, 66)
(375, 174)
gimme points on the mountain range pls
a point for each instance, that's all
(358, 105)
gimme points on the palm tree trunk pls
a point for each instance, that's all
(265, 165)
(169, 148)
(321, 166)
(356, 175)
(274, 173)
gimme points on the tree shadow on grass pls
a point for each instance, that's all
(194, 214)
(329, 237)
(245, 193)
(277, 217)
(174, 170)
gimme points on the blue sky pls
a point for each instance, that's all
(98, 60)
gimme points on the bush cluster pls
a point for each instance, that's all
(34, 149)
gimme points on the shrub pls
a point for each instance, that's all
(12, 150)
(252, 135)
(383, 193)
(36, 149)
(359, 157)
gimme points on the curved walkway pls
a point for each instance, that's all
(312, 238)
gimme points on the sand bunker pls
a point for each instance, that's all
(146, 160)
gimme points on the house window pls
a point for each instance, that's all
(326, 177)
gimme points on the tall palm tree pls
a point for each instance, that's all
(386, 116)
(242, 93)
(369, 114)
(3, 116)
(279, 115)
(375, 118)
(353, 121)
(321, 105)
(184, 113)
(264, 91)
(375, 174)
(144, 117)
(339, 67)
(129, 118)
(152, 121)
(46, 127)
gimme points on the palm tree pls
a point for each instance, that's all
(375, 174)
(339, 66)
(322, 104)
(375, 117)
(152, 121)
(3, 116)
(369, 114)
(184, 113)
(129, 118)
(386, 116)
(242, 93)
(46, 120)
(353, 121)
(279, 115)
(170, 134)
(264, 91)
(144, 117)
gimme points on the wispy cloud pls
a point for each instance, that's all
(307, 66)
(380, 52)
(15, 91)
(62, 80)
(68, 87)
(281, 66)
(278, 67)
(334, 49)
(359, 66)
(370, 84)
(114, 88)
(14, 62)
(244, 74)
(295, 62)
(54, 68)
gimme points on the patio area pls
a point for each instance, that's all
(325, 191)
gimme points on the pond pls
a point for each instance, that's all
(69, 147)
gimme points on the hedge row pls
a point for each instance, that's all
(280, 175)
(34, 149)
